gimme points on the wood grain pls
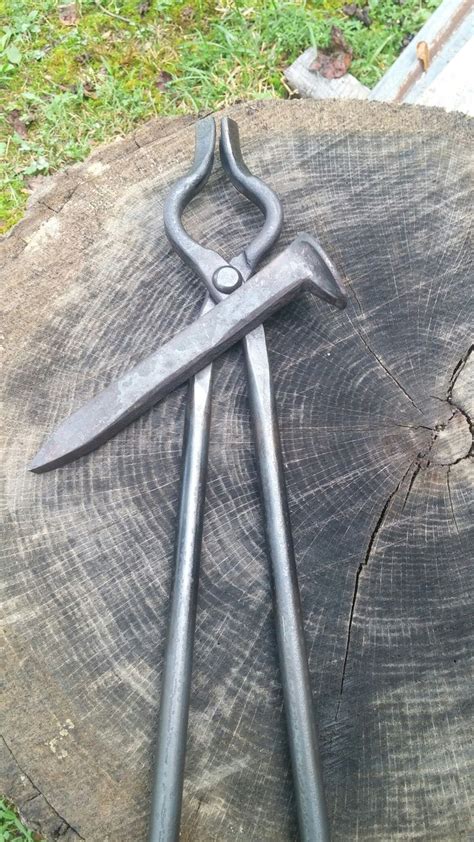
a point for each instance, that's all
(374, 405)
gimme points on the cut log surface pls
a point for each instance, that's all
(374, 406)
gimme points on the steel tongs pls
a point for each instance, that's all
(173, 719)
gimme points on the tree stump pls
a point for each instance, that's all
(375, 411)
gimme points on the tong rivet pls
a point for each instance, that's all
(226, 279)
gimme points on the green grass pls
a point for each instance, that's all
(12, 828)
(64, 89)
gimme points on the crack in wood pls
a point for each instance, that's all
(419, 465)
(363, 564)
(376, 357)
(411, 483)
(448, 483)
(68, 826)
(413, 427)
(463, 412)
(57, 210)
(188, 831)
(453, 380)
(356, 297)
(457, 371)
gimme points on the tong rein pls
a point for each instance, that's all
(221, 278)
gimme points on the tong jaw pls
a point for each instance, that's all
(219, 276)
(203, 261)
(255, 190)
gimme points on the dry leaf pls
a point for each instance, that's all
(17, 124)
(83, 58)
(144, 8)
(353, 11)
(68, 14)
(89, 90)
(335, 61)
(162, 80)
(423, 54)
(187, 13)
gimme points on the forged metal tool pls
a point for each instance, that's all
(174, 705)
(231, 310)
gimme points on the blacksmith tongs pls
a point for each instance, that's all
(292, 654)
(232, 310)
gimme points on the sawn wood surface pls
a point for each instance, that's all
(374, 407)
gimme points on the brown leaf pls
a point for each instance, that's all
(338, 41)
(89, 90)
(423, 54)
(17, 124)
(335, 61)
(353, 11)
(187, 13)
(68, 14)
(163, 79)
(83, 58)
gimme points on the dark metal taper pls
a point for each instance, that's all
(303, 742)
(176, 684)
(295, 677)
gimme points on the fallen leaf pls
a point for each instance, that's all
(163, 79)
(353, 11)
(187, 13)
(338, 40)
(423, 54)
(89, 90)
(364, 16)
(335, 61)
(83, 58)
(17, 124)
(68, 14)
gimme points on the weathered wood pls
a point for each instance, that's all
(374, 410)
(445, 33)
(310, 83)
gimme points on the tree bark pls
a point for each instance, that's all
(374, 406)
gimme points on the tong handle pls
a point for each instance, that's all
(255, 190)
(219, 276)
(203, 261)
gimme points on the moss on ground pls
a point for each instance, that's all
(73, 76)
